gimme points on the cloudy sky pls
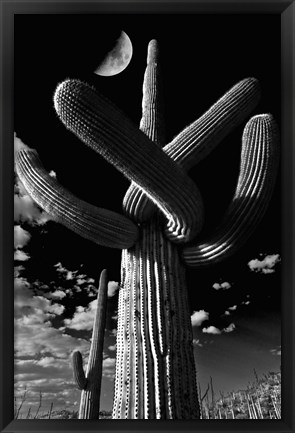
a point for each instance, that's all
(235, 306)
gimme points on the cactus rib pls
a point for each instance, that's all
(100, 125)
(198, 139)
(100, 225)
(259, 164)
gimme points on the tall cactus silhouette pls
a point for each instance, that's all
(90, 384)
(160, 233)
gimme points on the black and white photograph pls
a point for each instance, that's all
(147, 216)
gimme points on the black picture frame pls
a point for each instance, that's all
(286, 10)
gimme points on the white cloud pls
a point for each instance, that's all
(112, 348)
(225, 286)
(34, 366)
(277, 351)
(34, 333)
(66, 273)
(83, 279)
(34, 336)
(198, 317)
(28, 305)
(83, 317)
(52, 174)
(226, 313)
(108, 366)
(233, 308)
(57, 294)
(21, 237)
(245, 303)
(230, 328)
(56, 309)
(109, 362)
(90, 290)
(197, 343)
(211, 330)
(90, 280)
(60, 268)
(70, 275)
(266, 265)
(21, 256)
(113, 286)
(80, 281)
(25, 209)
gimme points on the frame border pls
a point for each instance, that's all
(286, 10)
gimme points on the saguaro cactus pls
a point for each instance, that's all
(155, 369)
(90, 384)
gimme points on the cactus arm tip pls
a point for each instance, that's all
(153, 52)
(79, 375)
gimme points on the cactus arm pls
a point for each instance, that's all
(96, 351)
(198, 139)
(259, 163)
(90, 396)
(104, 128)
(99, 225)
(135, 202)
(79, 375)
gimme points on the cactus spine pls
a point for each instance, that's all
(155, 370)
(90, 384)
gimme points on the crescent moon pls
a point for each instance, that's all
(118, 58)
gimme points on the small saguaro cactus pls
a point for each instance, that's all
(160, 233)
(90, 384)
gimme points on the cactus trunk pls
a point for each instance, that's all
(155, 370)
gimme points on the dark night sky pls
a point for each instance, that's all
(202, 56)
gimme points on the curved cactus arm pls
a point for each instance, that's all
(198, 139)
(79, 374)
(103, 127)
(258, 168)
(135, 202)
(102, 226)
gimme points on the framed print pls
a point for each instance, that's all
(148, 149)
